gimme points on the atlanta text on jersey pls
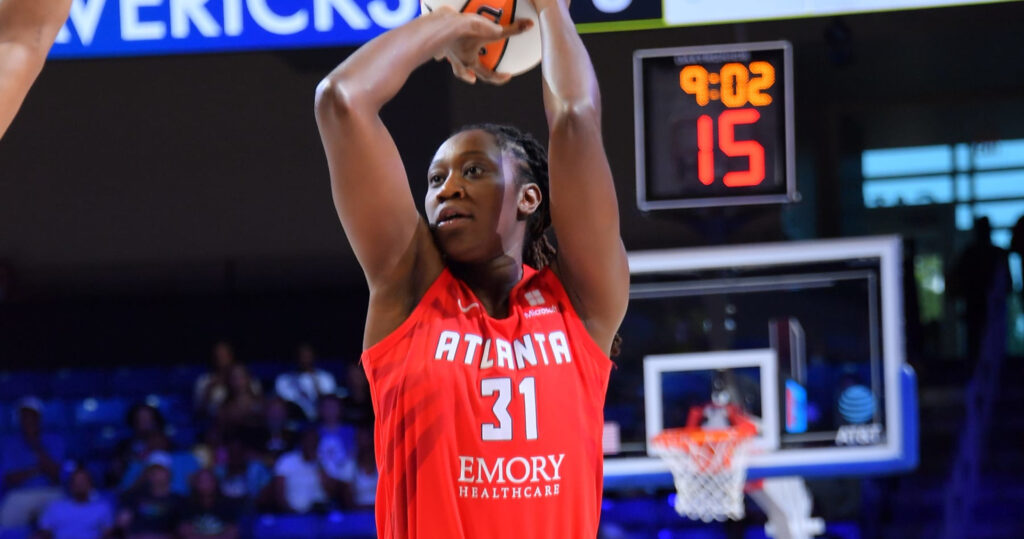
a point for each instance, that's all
(529, 350)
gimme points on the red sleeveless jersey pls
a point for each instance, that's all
(489, 428)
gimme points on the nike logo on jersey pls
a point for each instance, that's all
(467, 308)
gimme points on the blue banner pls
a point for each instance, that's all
(100, 28)
(104, 28)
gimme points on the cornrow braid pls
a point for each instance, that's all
(539, 251)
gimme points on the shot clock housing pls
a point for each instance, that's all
(714, 125)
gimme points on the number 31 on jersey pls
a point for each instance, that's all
(503, 429)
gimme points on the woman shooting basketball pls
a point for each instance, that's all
(488, 376)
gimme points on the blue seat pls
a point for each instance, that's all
(91, 411)
(141, 381)
(97, 441)
(629, 513)
(6, 419)
(268, 371)
(182, 436)
(286, 527)
(55, 414)
(80, 383)
(350, 525)
(183, 378)
(22, 532)
(98, 470)
(17, 384)
(175, 409)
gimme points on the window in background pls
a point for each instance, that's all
(980, 179)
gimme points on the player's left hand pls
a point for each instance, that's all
(472, 32)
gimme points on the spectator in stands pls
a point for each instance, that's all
(181, 465)
(147, 435)
(243, 479)
(152, 510)
(300, 483)
(337, 448)
(365, 485)
(83, 514)
(208, 514)
(306, 385)
(243, 406)
(213, 449)
(212, 388)
(30, 464)
(280, 431)
(358, 406)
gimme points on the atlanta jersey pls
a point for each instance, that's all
(489, 428)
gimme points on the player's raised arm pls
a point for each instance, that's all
(584, 211)
(27, 30)
(368, 180)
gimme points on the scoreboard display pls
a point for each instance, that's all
(714, 125)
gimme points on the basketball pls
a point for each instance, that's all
(514, 55)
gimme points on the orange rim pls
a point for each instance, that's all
(689, 435)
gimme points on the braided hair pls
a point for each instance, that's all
(539, 251)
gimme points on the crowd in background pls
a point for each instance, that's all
(304, 445)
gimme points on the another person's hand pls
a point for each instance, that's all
(471, 33)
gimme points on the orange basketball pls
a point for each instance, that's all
(514, 55)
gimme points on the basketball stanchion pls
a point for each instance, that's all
(788, 505)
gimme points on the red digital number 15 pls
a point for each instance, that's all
(731, 147)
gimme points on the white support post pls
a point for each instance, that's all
(788, 505)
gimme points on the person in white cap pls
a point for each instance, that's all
(29, 467)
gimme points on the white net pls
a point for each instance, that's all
(709, 471)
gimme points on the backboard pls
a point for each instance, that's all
(806, 336)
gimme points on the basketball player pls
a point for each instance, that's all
(486, 350)
(27, 30)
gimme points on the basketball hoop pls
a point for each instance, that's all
(709, 467)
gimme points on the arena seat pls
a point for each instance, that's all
(92, 411)
(286, 526)
(175, 409)
(17, 384)
(80, 383)
(6, 418)
(141, 381)
(54, 415)
(182, 378)
(21, 532)
(350, 525)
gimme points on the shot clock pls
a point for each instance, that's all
(714, 125)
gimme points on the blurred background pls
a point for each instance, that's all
(180, 312)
